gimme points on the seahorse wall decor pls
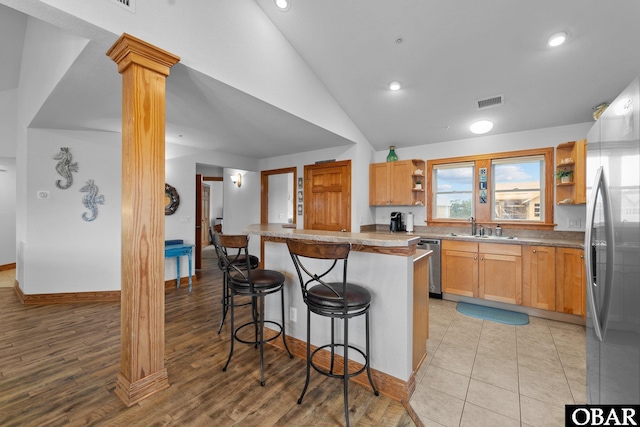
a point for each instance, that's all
(65, 167)
(91, 200)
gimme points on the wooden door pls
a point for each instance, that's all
(460, 268)
(400, 187)
(198, 240)
(539, 281)
(327, 196)
(379, 184)
(500, 273)
(570, 281)
(205, 222)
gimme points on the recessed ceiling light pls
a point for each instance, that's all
(394, 85)
(283, 4)
(558, 38)
(481, 126)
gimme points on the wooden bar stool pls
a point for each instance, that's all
(255, 283)
(337, 300)
(240, 260)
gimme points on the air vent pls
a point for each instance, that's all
(130, 5)
(490, 102)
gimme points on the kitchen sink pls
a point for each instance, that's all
(484, 237)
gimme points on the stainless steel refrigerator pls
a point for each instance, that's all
(612, 257)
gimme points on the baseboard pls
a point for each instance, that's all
(80, 297)
(11, 266)
(388, 385)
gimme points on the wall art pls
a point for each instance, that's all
(171, 199)
(91, 200)
(64, 168)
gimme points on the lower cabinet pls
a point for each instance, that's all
(539, 277)
(570, 281)
(490, 271)
(543, 277)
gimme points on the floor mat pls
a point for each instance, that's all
(494, 314)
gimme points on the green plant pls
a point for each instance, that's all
(563, 172)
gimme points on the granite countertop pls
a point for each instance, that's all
(514, 237)
(365, 238)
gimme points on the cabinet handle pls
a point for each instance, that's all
(475, 257)
(534, 251)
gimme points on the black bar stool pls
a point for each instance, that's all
(240, 260)
(256, 284)
(337, 300)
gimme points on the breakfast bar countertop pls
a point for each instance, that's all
(365, 239)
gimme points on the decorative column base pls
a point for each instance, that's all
(132, 393)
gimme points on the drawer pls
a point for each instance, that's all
(456, 245)
(500, 249)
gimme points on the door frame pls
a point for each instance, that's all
(264, 199)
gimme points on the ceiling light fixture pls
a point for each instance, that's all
(283, 4)
(394, 85)
(558, 38)
(481, 126)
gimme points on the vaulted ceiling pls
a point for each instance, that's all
(447, 56)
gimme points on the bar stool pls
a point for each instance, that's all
(337, 300)
(240, 260)
(255, 283)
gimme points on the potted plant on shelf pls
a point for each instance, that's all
(418, 185)
(564, 175)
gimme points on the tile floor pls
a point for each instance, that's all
(7, 278)
(482, 373)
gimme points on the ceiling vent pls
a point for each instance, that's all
(130, 5)
(490, 102)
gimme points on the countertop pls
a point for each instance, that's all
(560, 241)
(365, 239)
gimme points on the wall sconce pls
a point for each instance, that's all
(237, 179)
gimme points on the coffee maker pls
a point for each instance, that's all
(396, 222)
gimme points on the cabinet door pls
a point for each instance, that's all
(460, 272)
(379, 184)
(539, 277)
(570, 281)
(500, 278)
(401, 182)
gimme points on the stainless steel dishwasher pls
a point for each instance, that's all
(435, 287)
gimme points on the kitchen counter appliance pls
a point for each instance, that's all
(396, 222)
(435, 287)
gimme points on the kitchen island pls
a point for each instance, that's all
(394, 271)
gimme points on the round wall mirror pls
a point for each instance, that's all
(171, 200)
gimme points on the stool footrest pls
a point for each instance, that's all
(329, 373)
(255, 342)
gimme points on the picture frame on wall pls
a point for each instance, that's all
(300, 196)
(300, 183)
(299, 209)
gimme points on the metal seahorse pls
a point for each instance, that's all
(65, 167)
(91, 200)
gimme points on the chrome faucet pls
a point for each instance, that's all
(473, 225)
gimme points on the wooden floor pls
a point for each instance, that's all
(58, 366)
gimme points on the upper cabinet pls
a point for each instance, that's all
(399, 183)
(570, 173)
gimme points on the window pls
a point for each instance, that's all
(514, 188)
(517, 188)
(453, 189)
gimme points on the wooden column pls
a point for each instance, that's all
(144, 69)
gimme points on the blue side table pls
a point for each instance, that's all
(176, 249)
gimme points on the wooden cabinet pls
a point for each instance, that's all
(420, 310)
(459, 264)
(539, 277)
(395, 183)
(500, 277)
(571, 157)
(570, 281)
(490, 271)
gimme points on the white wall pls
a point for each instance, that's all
(8, 211)
(538, 138)
(61, 251)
